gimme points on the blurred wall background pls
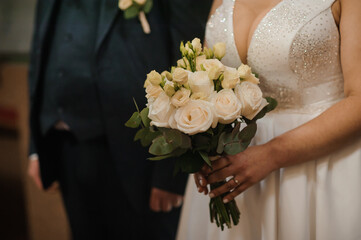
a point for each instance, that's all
(25, 212)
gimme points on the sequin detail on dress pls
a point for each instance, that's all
(295, 51)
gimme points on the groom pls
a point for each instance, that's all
(87, 63)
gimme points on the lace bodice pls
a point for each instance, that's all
(294, 49)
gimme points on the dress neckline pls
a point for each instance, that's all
(255, 30)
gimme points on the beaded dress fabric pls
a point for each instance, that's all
(295, 49)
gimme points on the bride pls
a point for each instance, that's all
(301, 179)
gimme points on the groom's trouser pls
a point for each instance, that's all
(96, 204)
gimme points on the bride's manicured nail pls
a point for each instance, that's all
(199, 190)
(225, 200)
(201, 181)
(211, 195)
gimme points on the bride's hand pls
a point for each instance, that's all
(247, 168)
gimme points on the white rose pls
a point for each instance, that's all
(153, 91)
(227, 106)
(246, 74)
(199, 96)
(160, 111)
(219, 50)
(124, 4)
(200, 82)
(140, 2)
(180, 76)
(154, 78)
(181, 97)
(231, 78)
(197, 46)
(250, 96)
(196, 117)
(214, 68)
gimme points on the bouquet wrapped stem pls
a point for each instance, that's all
(223, 213)
(201, 108)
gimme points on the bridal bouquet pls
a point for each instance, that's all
(198, 110)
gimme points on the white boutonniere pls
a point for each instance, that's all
(134, 8)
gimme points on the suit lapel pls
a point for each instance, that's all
(45, 18)
(108, 11)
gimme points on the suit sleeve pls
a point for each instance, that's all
(163, 177)
(187, 20)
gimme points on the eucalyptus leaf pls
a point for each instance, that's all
(234, 147)
(149, 136)
(221, 143)
(205, 157)
(140, 134)
(248, 132)
(134, 121)
(144, 116)
(148, 6)
(160, 146)
(272, 104)
(131, 12)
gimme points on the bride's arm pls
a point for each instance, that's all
(337, 127)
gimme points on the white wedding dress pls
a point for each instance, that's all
(295, 51)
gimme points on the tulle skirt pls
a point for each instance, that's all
(318, 199)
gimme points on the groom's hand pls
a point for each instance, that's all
(164, 201)
(34, 174)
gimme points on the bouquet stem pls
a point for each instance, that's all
(223, 213)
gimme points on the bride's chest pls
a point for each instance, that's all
(294, 48)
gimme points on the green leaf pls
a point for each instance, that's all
(248, 133)
(272, 104)
(131, 12)
(221, 143)
(148, 6)
(144, 116)
(149, 137)
(140, 134)
(134, 121)
(160, 157)
(190, 163)
(234, 147)
(160, 146)
(205, 157)
(235, 130)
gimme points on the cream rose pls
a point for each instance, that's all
(197, 116)
(219, 50)
(160, 111)
(180, 76)
(200, 82)
(140, 2)
(154, 78)
(227, 106)
(214, 68)
(231, 78)
(124, 4)
(181, 97)
(250, 96)
(153, 91)
(246, 74)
